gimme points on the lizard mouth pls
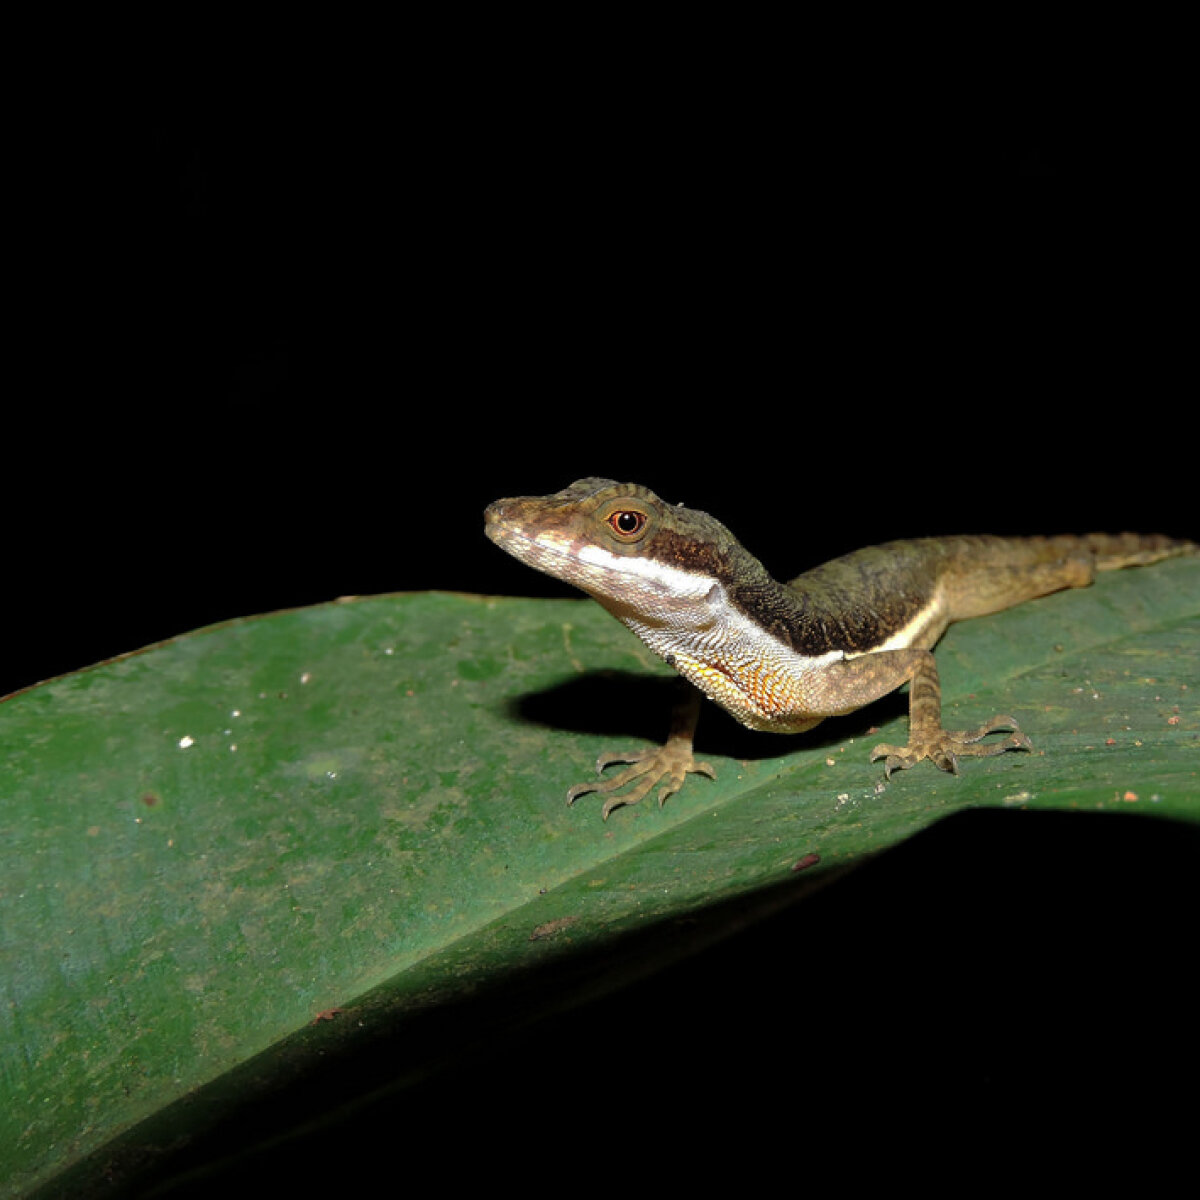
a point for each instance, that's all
(609, 577)
(602, 575)
(518, 543)
(542, 553)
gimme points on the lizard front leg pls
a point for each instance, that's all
(858, 681)
(672, 761)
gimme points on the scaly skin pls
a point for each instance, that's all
(783, 657)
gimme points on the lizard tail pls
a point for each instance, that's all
(1112, 551)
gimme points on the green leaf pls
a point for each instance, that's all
(214, 843)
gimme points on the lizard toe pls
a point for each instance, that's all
(946, 747)
(671, 763)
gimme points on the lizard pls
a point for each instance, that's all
(783, 657)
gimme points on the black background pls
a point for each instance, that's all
(288, 349)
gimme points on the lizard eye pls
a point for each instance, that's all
(627, 523)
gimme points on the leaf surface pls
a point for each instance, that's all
(214, 843)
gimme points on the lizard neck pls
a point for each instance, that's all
(736, 646)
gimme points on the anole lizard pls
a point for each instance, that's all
(783, 657)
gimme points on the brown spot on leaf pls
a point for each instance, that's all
(551, 928)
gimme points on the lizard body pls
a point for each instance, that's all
(785, 656)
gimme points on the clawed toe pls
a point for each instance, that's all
(944, 747)
(647, 768)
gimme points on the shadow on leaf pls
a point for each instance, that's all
(625, 705)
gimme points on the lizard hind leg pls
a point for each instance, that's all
(943, 747)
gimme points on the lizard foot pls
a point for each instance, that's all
(672, 762)
(945, 746)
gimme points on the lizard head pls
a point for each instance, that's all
(676, 578)
(640, 557)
